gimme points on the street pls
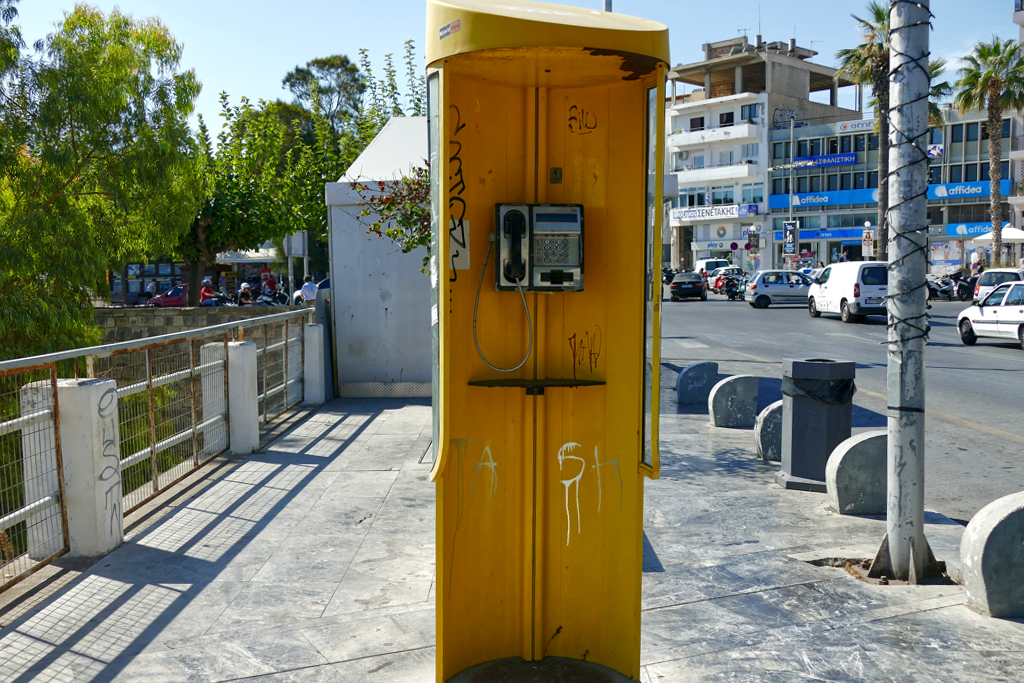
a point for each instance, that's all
(975, 425)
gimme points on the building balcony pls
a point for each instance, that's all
(1017, 147)
(738, 170)
(740, 131)
(1016, 195)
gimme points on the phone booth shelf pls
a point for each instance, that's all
(545, 355)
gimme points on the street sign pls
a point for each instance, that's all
(868, 244)
(790, 237)
(754, 239)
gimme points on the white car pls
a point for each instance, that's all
(777, 287)
(999, 315)
(994, 277)
(852, 289)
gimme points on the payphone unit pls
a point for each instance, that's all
(540, 247)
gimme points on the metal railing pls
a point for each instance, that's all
(172, 395)
(741, 162)
(699, 129)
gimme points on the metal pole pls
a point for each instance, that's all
(792, 127)
(607, 5)
(907, 306)
(291, 280)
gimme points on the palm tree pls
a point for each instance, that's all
(992, 79)
(868, 63)
(936, 91)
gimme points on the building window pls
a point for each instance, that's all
(726, 119)
(725, 158)
(751, 151)
(815, 184)
(832, 182)
(971, 173)
(780, 186)
(721, 195)
(935, 216)
(1005, 166)
(935, 175)
(696, 123)
(801, 184)
(753, 193)
(873, 142)
(872, 179)
(816, 147)
(844, 144)
(779, 150)
(956, 174)
(803, 149)
(858, 143)
(748, 112)
(698, 161)
(956, 133)
(1006, 128)
(692, 197)
(858, 181)
(833, 145)
(972, 132)
(845, 181)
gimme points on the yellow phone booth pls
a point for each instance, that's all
(546, 161)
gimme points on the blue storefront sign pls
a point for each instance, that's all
(841, 197)
(970, 229)
(837, 234)
(828, 160)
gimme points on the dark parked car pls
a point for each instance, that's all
(688, 286)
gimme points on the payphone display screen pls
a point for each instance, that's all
(556, 238)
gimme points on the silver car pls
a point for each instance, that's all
(777, 287)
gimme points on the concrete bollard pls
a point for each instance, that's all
(313, 368)
(243, 399)
(992, 555)
(39, 469)
(733, 402)
(694, 383)
(768, 432)
(855, 475)
(90, 444)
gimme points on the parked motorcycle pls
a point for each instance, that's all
(963, 286)
(940, 287)
(667, 275)
(731, 288)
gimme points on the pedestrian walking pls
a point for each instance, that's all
(150, 290)
(308, 291)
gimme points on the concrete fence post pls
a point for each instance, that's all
(39, 469)
(89, 435)
(243, 399)
(313, 370)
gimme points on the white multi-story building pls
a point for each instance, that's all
(717, 138)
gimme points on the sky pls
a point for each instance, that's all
(246, 47)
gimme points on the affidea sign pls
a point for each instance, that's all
(839, 197)
(970, 229)
(714, 212)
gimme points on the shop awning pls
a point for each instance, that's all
(1010, 235)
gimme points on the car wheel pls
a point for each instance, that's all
(675, 299)
(844, 313)
(156, 305)
(967, 335)
(762, 302)
(704, 296)
(813, 309)
(1020, 336)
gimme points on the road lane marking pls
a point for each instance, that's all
(689, 343)
(928, 411)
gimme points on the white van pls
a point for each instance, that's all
(710, 264)
(852, 290)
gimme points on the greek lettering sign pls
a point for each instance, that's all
(714, 212)
(790, 237)
(828, 160)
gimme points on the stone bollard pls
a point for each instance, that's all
(313, 370)
(992, 554)
(243, 399)
(855, 476)
(695, 382)
(768, 432)
(733, 402)
(91, 453)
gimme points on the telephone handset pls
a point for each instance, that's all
(514, 232)
(540, 247)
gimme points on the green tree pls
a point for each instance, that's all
(338, 93)
(937, 91)
(93, 135)
(992, 79)
(241, 189)
(868, 64)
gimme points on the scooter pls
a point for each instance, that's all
(667, 275)
(964, 287)
(940, 288)
(731, 288)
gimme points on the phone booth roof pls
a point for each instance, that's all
(457, 27)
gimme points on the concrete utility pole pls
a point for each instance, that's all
(905, 553)
(792, 155)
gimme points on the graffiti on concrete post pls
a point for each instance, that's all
(110, 475)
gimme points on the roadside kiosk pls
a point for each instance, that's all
(546, 155)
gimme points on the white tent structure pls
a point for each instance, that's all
(1010, 235)
(380, 301)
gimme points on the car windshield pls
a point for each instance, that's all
(687, 277)
(875, 275)
(991, 278)
(996, 297)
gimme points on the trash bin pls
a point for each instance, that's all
(817, 415)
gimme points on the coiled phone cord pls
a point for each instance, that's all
(476, 306)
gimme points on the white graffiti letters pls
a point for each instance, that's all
(563, 455)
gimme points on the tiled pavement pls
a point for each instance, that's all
(314, 561)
